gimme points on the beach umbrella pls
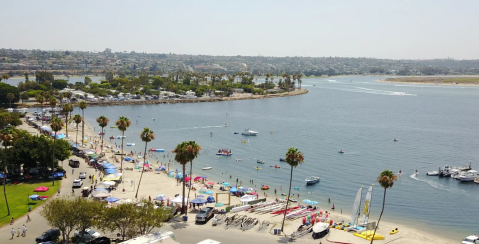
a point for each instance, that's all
(253, 193)
(218, 204)
(208, 192)
(226, 184)
(248, 192)
(197, 178)
(198, 201)
(313, 202)
(201, 196)
(306, 200)
(188, 178)
(179, 176)
(250, 189)
(240, 187)
(233, 190)
(210, 183)
(160, 195)
(112, 199)
(147, 165)
(171, 171)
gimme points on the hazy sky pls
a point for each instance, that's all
(398, 29)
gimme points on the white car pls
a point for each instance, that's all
(471, 240)
(82, 175)
(89, 234)
(77, 183)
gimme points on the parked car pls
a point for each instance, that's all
(87, 235)
(49, 235)
(77, 183)
(100, 240)
(82, 175)
(204, 215)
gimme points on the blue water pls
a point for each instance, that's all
(435, 125)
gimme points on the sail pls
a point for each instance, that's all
(356, 207)
(367, 204)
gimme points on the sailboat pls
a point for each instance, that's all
(356, 212)
(367, 205)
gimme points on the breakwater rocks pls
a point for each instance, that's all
(235, 97)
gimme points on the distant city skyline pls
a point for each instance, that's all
(405, 29)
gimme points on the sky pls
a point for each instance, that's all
(392, 29)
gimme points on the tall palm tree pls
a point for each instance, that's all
(10, 97)
(83, 106)
(293, 158)
(146, 135)
(40, 100)
(68, 95)
(66, 110)
(57, 125)
(53, 104)
(123, 123)
(182, 158)
(299, 80)
(77, 119)
(7, 137)
(5, 77)
(102, 122)
(386, 179)
(192, 151)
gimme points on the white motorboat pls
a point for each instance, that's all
(248, 132)
(312, 180)
(432, 173)
(207, 168)
(470, 175)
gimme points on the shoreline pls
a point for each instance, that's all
(408, 234)
(197, 100)
(434, 80)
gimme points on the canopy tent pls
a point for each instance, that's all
(111, 166)
(110, 171)
(178, 199)
(101, 189)
(112, 199)
(57, 174)
(41, 189)
(233, 189)
(102, 185)
(111, 177)
(121, 201)
(99, 194)
(198, 201)
(109, 183)
(33, 197)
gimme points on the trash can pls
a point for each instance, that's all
(185, 218)
(275, 231)
(279, 231)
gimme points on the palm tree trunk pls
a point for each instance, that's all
(5, 179)
(83, 126)
(42, 113)
(183, 196)
(102, 135)
(53, 161)
(77, 137)
(189, 188)
(121, 157)
(143, 170)
(287, 200)
(384, 201)
(66, 123)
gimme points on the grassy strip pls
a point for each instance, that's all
(18, 200)
(457, 80)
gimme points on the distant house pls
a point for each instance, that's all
(238, 90)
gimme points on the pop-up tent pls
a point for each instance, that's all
(41, 189)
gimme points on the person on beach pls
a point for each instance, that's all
(12, 220)
(28, 215)
(18, 232)
(13, 233)
(24, 231)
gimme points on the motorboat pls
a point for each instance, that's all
(239, 159)
(244, 142)
(400, 173)
(275, 166)
(130, 144)
(476, 180)
(320, 230)
(341, 151)
(470, 175)
(260, 161)
(312, 180)
(207, 168)
(301, 231)
(432, 173)
(101, 133)
(224, 152)
(416, 173)
(119, 137)
(236, 133)
(395, 139)
(248, 132)
(282, 160)
(257, 168)
(446, 172)
(112, 137)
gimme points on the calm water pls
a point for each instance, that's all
(435, 125)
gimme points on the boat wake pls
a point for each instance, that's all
(200, 127)
(440, 186)
(373, 91)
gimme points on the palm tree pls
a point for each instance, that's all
(5, 77)
(66, 110)
(192, 151)
(102, 122)
(123, 123)
(386, 179)
(146, 135)
(53, 104)
(83, 107)
(293, 158)
(10, 97)
(7, 137)
(182, 158)
(68, 95)
(299, 80)
(78, 119)
(56, 124)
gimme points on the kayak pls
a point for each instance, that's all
(287, 210)
(394, 231)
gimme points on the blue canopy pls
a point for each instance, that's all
(111, 166)
(112, 199)
(201, 196)
(110, 171)
(101, 189)
(106, 164)
(198, 201)
(226, 184)
(163, 167)
(241, 190)
(179, 176)
(208, 192)
(58, 174)
(127, 159)
(210, 199)
(34, 197)
(2, 175)
(233, 189)
(159, 198)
